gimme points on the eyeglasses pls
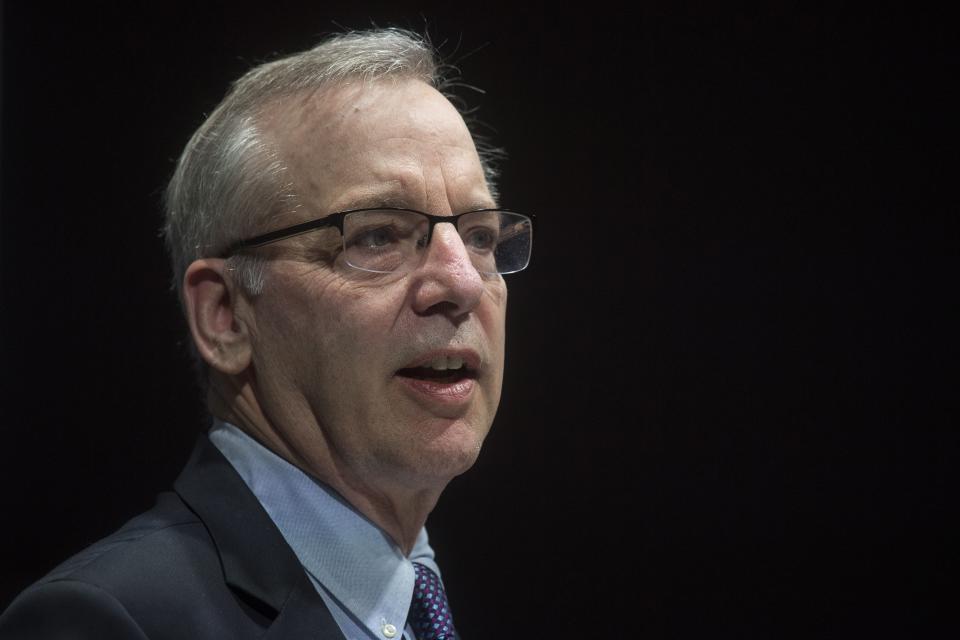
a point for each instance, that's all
(388, 239)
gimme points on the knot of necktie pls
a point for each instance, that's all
(429, 611)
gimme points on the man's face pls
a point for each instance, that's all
(344, 360)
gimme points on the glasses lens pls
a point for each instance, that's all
(382, 241)
(498, 241)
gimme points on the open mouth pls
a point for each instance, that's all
(448, 370)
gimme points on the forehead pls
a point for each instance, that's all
(398, 143)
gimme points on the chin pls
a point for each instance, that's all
(453, 451)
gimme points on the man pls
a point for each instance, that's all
(352, 349)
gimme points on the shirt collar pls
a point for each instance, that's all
(351, 557)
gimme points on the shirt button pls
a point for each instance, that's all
(389, 630)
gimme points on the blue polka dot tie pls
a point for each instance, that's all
(429, 612)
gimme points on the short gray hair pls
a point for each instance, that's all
(229, 178)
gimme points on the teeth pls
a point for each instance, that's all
(444, 363)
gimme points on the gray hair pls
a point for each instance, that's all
(229, 178)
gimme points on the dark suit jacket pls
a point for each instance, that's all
(205, 562)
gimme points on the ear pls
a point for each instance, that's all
(211, 302)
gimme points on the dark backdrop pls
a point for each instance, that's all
(730, 399)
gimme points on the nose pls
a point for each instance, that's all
(447, 282)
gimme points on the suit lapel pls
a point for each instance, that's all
(256, 559)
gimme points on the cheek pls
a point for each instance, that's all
(356, 326)
(494, 313)
(291, 317)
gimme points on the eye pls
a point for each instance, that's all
(481, 238)
(374, 238)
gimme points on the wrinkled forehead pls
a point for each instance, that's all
(391, 142)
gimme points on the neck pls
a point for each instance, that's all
(400, 511)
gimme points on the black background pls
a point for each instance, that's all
(730, 398)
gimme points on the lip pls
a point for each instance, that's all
(443, 397)
(470, 358)
(447, 399)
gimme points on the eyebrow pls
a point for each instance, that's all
(399, 201)
(373, 201)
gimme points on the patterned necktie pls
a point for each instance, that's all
(429, 612)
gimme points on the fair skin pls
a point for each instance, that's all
(322, 366)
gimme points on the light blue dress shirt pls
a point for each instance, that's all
(362, 575)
